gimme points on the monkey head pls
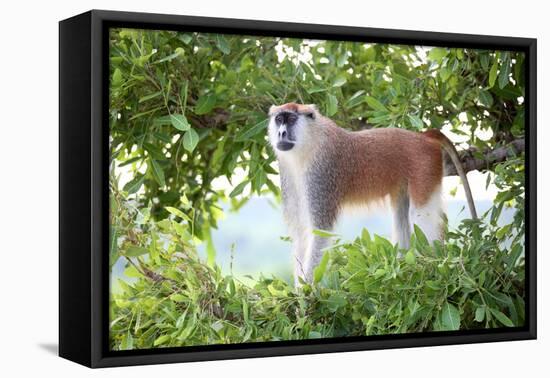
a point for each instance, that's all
(288, 125)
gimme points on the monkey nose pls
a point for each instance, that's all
(282, 134)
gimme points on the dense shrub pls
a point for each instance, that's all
(366, 287)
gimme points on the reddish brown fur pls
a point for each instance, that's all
(387, 161)
(292, 107)
(383, 161)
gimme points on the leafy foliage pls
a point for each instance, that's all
(187, 109)
(361, 288)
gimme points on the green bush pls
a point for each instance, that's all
(366, 287)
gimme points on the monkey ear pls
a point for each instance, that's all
(272, 109)
(312, 111)
(313, 107)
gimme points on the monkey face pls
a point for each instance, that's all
(288, 126)
(285, 123)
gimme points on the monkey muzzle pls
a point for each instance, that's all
(283, 141)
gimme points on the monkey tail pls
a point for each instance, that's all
(450, 149)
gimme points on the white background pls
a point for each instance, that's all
(29, 188)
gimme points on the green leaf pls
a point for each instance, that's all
(493, 74)
(161, 340)
(185, 203)
(132, 272)
(154, 151)
(222, 44)
(324, 234)
(259, 180)
(316, 90)
(410, 258)
(178, 298)
(113, 246)
(335, 301)
(319, 271)
(238, 189)
(356, 99)
(480, 314)
(149, 96)
(421, 239)
(133, 186)
(379, 273)
(185, 38)
(158, 173)
(117, 77)
(339, 81)
(416, 121)
(183, 95)
(178, 213)
(162, 121)
(251, 131)
(510, 92)
(501, 317)
(375, 104)
(210, 249)
(190, 140)
(342, 59)
(332, 105)
(205, 104)
(134, 251)
(314, 335)
(365, 235)
(179, 122)
(127, 342)
(504, 74)
(484, 60)
(485, 98)
(245, 310)
(450, 317)
(437, 53)
(179, 51)
(380, 119)
(370, 53)
(444, 73)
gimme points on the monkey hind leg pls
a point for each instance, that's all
(428, 216)
(401, 219)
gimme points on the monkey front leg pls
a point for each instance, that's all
(314, 254)
(299, 248)
(323, 209)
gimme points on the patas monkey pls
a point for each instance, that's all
(324, 168)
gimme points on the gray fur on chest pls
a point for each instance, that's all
(323, 192)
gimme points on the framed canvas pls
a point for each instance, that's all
(208, 168)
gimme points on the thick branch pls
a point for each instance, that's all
(217, 119)
(490, 157)
(361, 125)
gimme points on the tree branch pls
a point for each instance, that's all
(217, 119)
(470, 162)
(490, 157)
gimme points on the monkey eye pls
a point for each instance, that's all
(279, 119)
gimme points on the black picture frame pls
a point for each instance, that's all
(83, 183)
